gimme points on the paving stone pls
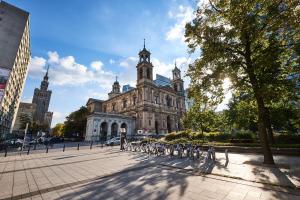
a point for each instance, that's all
(98, 174)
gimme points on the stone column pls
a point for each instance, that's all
(109, 130)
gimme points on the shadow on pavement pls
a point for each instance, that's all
(145, 180)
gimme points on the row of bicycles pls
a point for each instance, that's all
(178, 150)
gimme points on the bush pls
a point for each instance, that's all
(245, 135)
(180, 141)
(181, 134)
(287, 139)
(217, 136)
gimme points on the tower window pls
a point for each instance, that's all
(156, 99)
(141, 73)
(148, 73)
(134, 100)
(124, 103)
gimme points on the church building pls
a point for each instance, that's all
(149, 108)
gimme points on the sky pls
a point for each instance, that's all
(88, 43)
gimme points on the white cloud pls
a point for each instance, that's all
(97, 65)
(111, 61)
(183, 15)
(160, 67)
(96, 95)
(129, 62)
(66, 71)
(58, 117)
(53, 57)
(27, 99)
(36, 66)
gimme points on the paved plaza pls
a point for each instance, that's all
(107, 173)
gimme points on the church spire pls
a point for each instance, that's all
(144, 54)
(46, 75)
(45, 83)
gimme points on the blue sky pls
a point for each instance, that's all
(88, 43)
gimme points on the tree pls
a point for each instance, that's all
(76, 122)
(25, 119)
(201, 116)
(254, 43)
(58, 130)
(242, 113)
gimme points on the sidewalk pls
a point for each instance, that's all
(247, 167)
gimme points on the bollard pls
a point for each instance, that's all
(78, 146)
(64, 148)
(208, 154)
(34, 148)
(226, 155)
(198, 153)
(47, 149)
(213, 153)
(28, 150)
(5, 152)
(91, 145)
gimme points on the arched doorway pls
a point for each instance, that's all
(169, 124)
(114, 130)
(103, 131)
(156, 128)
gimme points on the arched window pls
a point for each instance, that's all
(175, 87)
(141, 73)
(148, 73)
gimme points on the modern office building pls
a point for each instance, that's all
(162, 81)
(14, 60)
(127, 88)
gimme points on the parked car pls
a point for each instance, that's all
(14, 142)
(113, 141)
(56, 140)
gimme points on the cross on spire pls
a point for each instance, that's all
(144, 43)
(116, 78)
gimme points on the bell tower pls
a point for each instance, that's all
(115, 89)
(177, 81)
(144, 67)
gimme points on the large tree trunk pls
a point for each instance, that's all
(268, 158)
(269, 127)
(262, 119)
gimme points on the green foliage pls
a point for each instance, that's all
(287, 139)
(76, 123)
(217, 136)
(255, 44)
(180, 141)
(244, 134)
(58, 130)
(178, 135)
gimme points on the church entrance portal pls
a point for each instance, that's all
(114, 130)
(156, 128)
(169, 124)
(103, 131)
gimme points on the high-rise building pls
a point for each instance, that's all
(127, 88)
(14, 60)
(41, 98)
(162, 81)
